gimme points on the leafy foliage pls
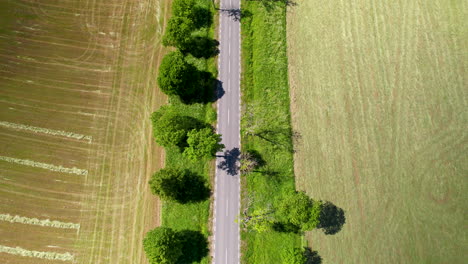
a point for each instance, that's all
(162, 246)
(249, 161)
(294, 256)
(300, 210)
(181, 186)
(259, 220)
(184, 8)
(178, 32)
(202, 143)
(177, 76)
(200, 16)
(171, 129)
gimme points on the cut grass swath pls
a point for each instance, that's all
(35, 221)
(45, 166)
(47, 131)
(37, 254)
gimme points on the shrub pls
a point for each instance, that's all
(177, 76)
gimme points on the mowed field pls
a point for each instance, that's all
(77, 86)
(379, 94)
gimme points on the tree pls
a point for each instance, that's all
(177, 185)
(184, 8)
(171, 129)
(259, 220)
(294, 256)
(200, 16)
(162, 246)
(248, 162)
(298, 209)
(202, 143)
(178, 32)
(176, 76)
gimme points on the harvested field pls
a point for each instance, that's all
(77, 86)
(379, 94)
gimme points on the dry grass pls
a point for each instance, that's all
(379, 95)
(88, 68)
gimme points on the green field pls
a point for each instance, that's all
(77, 88)
(265, 125)
(379, 94)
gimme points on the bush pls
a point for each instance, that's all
(177, 76)
(203, 143)
(294, 256)
(162, 245)
(300, 210)
(178, 32)
(170, 129)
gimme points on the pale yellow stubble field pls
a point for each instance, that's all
(77, 86)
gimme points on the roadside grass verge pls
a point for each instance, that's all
(265, 125)
(192, 216)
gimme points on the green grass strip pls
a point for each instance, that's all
(266, 124)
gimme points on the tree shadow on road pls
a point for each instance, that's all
(236, 14)
(230, 164)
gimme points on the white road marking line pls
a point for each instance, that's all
(226, 255)
(227, 207)
(228, 116)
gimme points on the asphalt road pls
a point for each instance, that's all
(227, 181)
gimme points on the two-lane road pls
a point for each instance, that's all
(226, 244)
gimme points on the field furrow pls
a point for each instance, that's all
(78, 84)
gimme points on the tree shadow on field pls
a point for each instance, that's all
(205, 93)
(202, 47)
(332, 218)
(191, 189)
(269, 5)
(203, 17)
(194, 247)
(285, 227)
(312, 257)
(279, 137)
(230, 164)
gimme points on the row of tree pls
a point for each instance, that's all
(177, 77)
(195, 139)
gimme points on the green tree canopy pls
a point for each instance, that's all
(177, 185)
(202, 143)
(162, 246)
(184, 8)
(178, 32)
(171, 129)
(176, 76)
(300, 210)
